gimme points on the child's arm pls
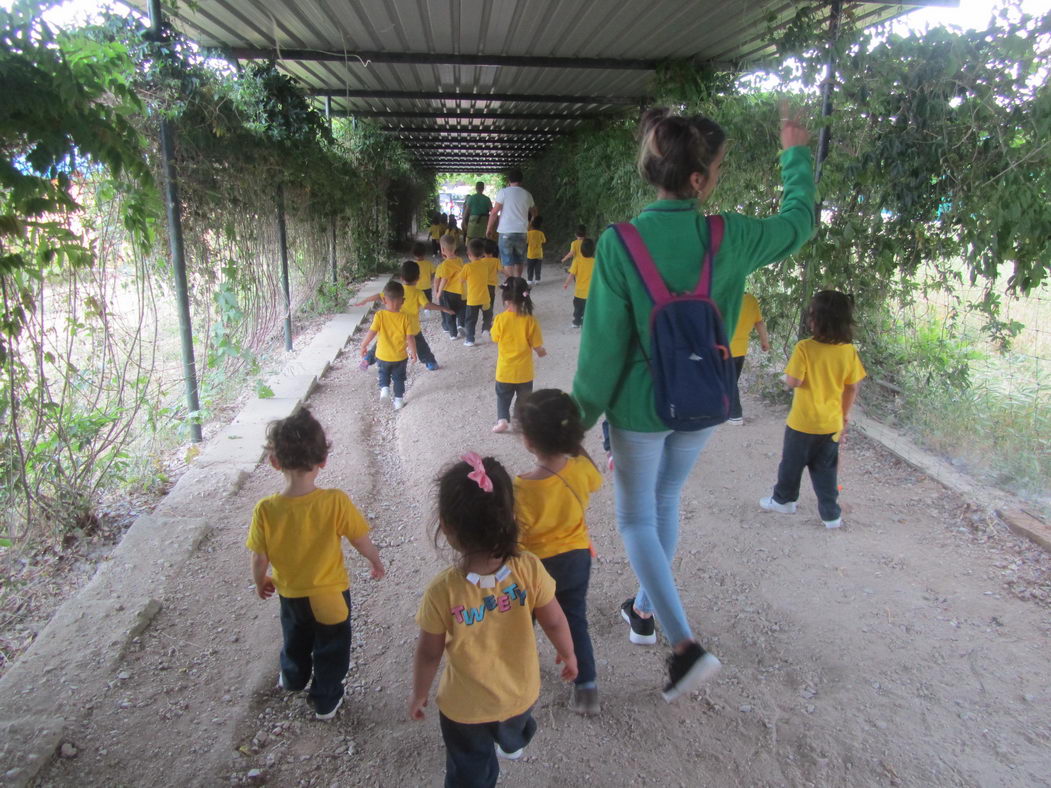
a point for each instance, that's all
(264, 584)
(364, 546)
(444, 309)
(764, 338)
(429, 650)
(540, 351)
(439, 285)
(850, 393)
(567, 255)
(371, 335)
(410, 340)
(553, 621)
(371, 299)
(569, 279)
(791, 382)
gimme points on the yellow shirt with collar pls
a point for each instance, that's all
(492, 671)
(817, 405)
(516, 335)
(474, 277)
(582, 269)
(426, 271)
(391, 329)
(550, 511)
(300, 536)
(415, 300)
(493, 266)
(450, 270)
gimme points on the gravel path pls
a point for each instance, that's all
(909, 648)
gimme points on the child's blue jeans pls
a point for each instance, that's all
(312, 648)
(470, 758)
(650, 470)
(572, 571)
(390, 372)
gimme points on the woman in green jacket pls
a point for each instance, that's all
(681, 157)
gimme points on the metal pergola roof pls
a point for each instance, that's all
(472, 85)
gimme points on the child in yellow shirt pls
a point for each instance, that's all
(581, 269)
(517, 335)
(396, 344)
(574, 247)
(749, 318)
(434, 232)
(550, 505)
(419, 256)
(492, 259)
(535, 240)
(475, 277)
(448, 288)
(298, 533)
(824, 372)
(479, 615)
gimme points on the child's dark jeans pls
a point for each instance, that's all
(471, 320)
(533, 267)
(487, 313)
(311, 647)
(470, 758)
(450, 322)
(735, 395)
(572, 571)
(578, 310)
(505, 392)
(390, 372)
(819, 454)
(423, 350)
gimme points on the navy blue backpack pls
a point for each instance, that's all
(693, 371)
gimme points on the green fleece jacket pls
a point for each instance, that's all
(613, 376)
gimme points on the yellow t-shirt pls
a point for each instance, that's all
(750, 315)
(575, 248)
(817, 405)
(492, 671)
(582, 268)
(450, 269)
(493, 266)
(426, 270)
(300, 536)
(474, 277)
(415, 300)
(391, 329)
(516, 335)
(535, 240)
(550, 512)
(435, 232)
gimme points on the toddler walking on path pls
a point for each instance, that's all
(297, 532)
(479, 615)
(550, 505)
(517, 335)
(824, 372)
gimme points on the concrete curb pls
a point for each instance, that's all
(89, 633)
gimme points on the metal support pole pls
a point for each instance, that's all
(173, 210)
(835, 15)
(282, 243)
(332, 218)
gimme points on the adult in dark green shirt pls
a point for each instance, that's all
(476, 210)
(681, 157)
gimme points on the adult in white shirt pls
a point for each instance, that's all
(514, 208)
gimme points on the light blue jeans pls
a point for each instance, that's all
(649, 471)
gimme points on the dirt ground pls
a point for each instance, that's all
(910, 647)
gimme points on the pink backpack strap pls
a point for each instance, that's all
(640, 257)
(716, 227)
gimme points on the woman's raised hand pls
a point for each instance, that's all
(793, 132)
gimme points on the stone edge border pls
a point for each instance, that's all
(89, 632)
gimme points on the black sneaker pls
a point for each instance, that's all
(687, 670)
(641, 632)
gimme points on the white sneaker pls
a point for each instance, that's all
(736, 421)
(468, 344)
(399, 403)
(833, 523)
(328, 715)
(773, 506)
(508, 756)
(384, 392)
(501, 426)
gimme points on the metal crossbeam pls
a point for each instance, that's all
(427, 95)
(444, 130)
(370, 113)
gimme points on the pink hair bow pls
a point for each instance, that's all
(478, 474)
